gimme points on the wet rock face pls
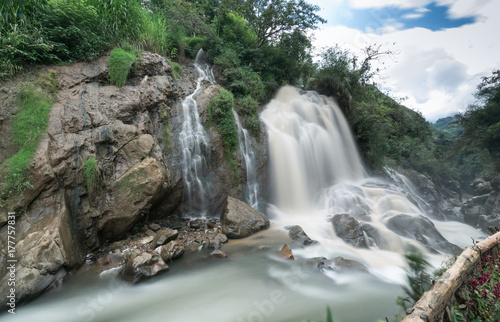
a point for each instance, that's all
(353, 232)
(121, 128)
(239, 220)
(422, 230)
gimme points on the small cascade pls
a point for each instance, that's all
(195, 144)
(247, 154)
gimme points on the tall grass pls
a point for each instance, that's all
(91, 175)
(156, 36)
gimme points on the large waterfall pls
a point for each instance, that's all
(310, 147)
(320, 184)
(194, 142)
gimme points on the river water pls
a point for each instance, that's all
(316, 174)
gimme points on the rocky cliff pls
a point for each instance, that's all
(131, 132)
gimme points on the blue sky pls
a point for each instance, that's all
(433, 16)
(444, 46)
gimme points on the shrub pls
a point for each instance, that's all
(248, 106)
(91, 175)
(120, 62)
(221, 115)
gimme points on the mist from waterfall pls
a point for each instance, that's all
(195, 144)
(247, 154)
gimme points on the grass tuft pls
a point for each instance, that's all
(120, 62)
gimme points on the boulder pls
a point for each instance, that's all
(297, 234)
(218, 254)
(342, 263)
(423, 230)
(170, 251)
(353, 232)
(132, 194)
(472, 209)
(218, 240)
(239, 220)
(108, 261)
(164, 236)
(139, 266)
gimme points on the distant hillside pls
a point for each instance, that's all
(446, 124)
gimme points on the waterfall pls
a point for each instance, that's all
(320, 184)
(310, 146)
(195, 144)
(247, 154)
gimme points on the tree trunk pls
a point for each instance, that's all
(433, 303)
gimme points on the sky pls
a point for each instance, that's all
(443, 47)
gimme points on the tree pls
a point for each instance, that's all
(271, 18)
(481, 122)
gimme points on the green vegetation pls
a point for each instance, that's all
(220, 110)
(484, 289)
(28, 128)
(120, 61)
(329, 317)
(176, 69)
(418, 280)
(91, 175)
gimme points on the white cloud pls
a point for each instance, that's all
(358, 4)
(413, 15)
(437, 70)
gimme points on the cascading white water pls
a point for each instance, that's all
(195, 143)
(248, 155)
(310, 147)
(317, 174)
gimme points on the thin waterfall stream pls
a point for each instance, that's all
(318, 180)
(195, 144)
(248, 156)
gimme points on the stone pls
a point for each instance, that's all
(321, 263)
(286, 252)
(132, 192)
(423, 230)
(349, 230)
(150, 232)
(348, 264)
(154, 227)
(218, 240)
(196, 224)
(495, 183)
(296, 233)
(473, 208)
(218, 254)
(108, 261)
(139, 266)
(164, 236)
(171, 251)
(239, 220)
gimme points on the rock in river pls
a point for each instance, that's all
(239, 220)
